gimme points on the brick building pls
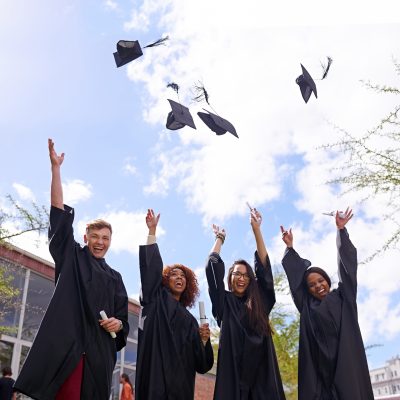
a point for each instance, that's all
(33, 278)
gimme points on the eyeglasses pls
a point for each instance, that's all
(238, 275)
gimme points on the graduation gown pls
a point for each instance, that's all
(247, 365)
(70, 327)
(170, 350)
(332, 361)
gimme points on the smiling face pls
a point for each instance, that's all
(317, 285)
(240, 280)
(98, 241)
(177, 282)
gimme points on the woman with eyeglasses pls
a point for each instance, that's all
(171, 345)
(247, 365)
(332, 361)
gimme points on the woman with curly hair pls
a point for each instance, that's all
(171, 346)
(247, 365)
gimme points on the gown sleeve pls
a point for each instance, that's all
(215, 271)
(151, 265)
(204, 356)
(61, 235)
(347, 264)
(295, 267)
(121, 313)
(265, 282)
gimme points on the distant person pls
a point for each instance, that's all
(73, 354)
(6, 385)
(127, 388)
(171, 346)
(247, 365)
(332, 361)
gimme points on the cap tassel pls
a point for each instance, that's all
(173, 86)
(201, 93)
(158, 42)
(326, 68)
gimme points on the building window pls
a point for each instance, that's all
(6, 351)
(38, 298)
(24, 353)
(133, 326)
(10, 305)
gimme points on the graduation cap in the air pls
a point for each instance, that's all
(180, 115)
(216, 123)
(129, 50)
(306, 82)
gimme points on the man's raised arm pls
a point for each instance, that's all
(56, 187)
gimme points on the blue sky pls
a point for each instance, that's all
(58, 79)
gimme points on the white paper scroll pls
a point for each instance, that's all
(203, 318)
(103, 316)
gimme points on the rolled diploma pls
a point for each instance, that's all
(203, 318)
(103, 316)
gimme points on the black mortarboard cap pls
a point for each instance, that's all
(307, 84)
(127, 51)
(217, 124)
(179, 117)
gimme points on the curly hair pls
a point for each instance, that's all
(191, 292)
(256, 316)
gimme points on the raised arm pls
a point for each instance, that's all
(57, 199)
(152, 222)
(262, 264)
(215, 272)
(295, 267)
(255, 221)
(347, 254)
(220, 236)
(150, 261)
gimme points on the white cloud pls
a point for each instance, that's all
(24, 192)
(111, 5)
(129, 230)
(29, 241)
(76, 191)
(129, 168)
(141, 17)
(250, 75)
(248, 65)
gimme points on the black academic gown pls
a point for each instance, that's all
(332, 361)
(170, 351)
(70, 327)
(247, 365)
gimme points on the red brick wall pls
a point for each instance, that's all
(204, 389)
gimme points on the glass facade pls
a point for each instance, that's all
(11, 301)
(21, 314)
(38, 297)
